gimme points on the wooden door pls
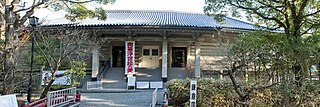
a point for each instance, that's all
(150, 56)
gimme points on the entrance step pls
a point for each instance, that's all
(148, 74)
(119, 85)
(114, 78)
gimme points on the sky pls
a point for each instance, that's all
(190, 6)
(194, 6)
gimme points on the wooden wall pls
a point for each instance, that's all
(214, 49)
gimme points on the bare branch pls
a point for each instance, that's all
(80, 2)
(302, 7)
(255, 10)
(46, 57)
(311, 14)
(24, 9)
(311, 27)
(29, 13)
(271, 6)
(236, 85)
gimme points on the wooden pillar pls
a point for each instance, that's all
(164, 58)
(95, 63)
(197, 59)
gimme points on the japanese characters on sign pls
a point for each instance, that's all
(129, 57)
(8, 101)
(193, 93)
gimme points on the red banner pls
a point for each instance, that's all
(129, 57)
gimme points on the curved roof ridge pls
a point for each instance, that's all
(156, 18)
(152, 11)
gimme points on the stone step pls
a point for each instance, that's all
(121, 85)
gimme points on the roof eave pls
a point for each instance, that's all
(131, 27)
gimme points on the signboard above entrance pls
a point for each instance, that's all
(129, 69)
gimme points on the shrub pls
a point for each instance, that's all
(212, 93)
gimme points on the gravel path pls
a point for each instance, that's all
(129, 99)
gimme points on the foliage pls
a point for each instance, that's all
(60, 46)
(212, 93)
(208, 90)
(260, 60)
(78, 69)
(178, 92)
(251, 63)
(78, 10)
(296, 17)
(283, 57)
(15, 13)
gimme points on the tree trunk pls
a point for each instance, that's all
(9, 67)
(298, 75)
(46, 90)
(72, 80)
(244, 101)
(318, 67)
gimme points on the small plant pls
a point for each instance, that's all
(78, 69)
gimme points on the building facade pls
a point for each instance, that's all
(161, 42)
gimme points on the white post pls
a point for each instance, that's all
(197, 59)
(247, 76)
(49, 99)
(193, 93)
(164, 57)
(95, 63)
(221, 74)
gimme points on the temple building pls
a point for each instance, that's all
(160, 45)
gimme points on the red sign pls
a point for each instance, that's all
(129, 57)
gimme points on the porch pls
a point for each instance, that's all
(149, 55)
(114, 78)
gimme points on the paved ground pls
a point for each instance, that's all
(114, 80)
(128, 99)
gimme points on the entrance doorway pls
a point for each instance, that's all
(179, 56)
(118, 59)
(150, 56)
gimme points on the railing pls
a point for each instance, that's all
(62, 97)
(154, 98)
(106, 66)
(39, 103)
(94, 85)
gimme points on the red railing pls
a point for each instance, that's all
(39, 103)
(44, 101)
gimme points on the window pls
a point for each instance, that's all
(155, 52)
(146, 52)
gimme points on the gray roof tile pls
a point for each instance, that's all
(156, 18)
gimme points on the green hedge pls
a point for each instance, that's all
(212, 93)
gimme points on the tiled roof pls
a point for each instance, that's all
(157, 19)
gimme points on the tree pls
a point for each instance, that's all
(295, 17)
(13, 21)
(57, 47)
(252, 63)
(77, 69)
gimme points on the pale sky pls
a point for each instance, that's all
(190, 6)
(194, 6)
